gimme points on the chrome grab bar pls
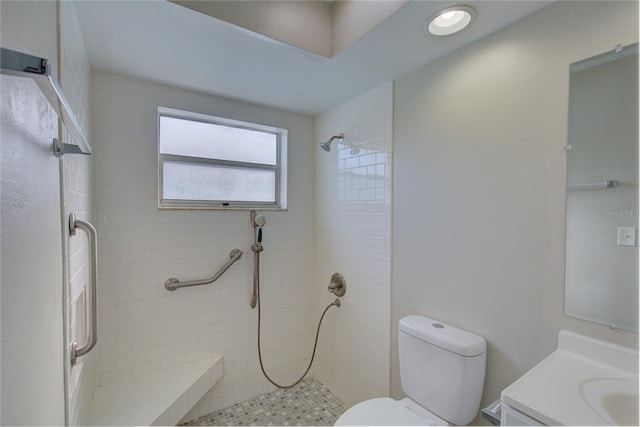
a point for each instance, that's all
(172, 284)
(92, 311)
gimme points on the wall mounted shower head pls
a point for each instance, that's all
(326, 146)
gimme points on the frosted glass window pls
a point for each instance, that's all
(212, 141)
(188, 181)
(218, 163)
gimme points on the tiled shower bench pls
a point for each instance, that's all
(161, 398)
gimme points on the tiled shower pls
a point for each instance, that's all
(145, 328)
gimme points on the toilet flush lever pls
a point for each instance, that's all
(338, 285)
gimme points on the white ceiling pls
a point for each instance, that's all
(163, 42)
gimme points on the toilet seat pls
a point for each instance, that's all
(384, 411)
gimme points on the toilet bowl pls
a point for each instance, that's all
(384, 411)
(442, 372)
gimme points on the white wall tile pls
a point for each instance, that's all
(141, 247)
(353, 226)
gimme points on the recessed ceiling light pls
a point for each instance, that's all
(449, 20)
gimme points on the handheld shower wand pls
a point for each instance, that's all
(258, 222)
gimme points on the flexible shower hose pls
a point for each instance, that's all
(256, 273)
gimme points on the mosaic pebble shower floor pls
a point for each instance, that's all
(309, 403)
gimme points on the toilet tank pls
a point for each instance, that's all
(442, 367)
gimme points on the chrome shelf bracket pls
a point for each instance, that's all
(20, 64)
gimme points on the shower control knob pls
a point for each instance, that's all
(338, 285)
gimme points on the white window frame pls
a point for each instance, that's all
(280, 167)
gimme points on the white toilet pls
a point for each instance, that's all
(441, 371)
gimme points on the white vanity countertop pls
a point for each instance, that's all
(553, 392)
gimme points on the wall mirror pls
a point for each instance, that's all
(601, 276)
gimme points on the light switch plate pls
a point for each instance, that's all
(626, 236)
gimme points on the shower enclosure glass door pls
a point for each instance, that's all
(31, 254)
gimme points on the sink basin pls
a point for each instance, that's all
(585, 382)
(615, 400)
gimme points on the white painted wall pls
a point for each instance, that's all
(479, 185)
(353, 235)
(144, 327)
(31, 27)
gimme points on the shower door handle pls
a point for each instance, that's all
(92, 309)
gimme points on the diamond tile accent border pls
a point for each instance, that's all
(309, 403)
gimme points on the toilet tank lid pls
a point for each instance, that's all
(444, 336)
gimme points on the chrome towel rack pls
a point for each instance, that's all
(172, 284)
(612, 183)
(20, 64)
(92, 309)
